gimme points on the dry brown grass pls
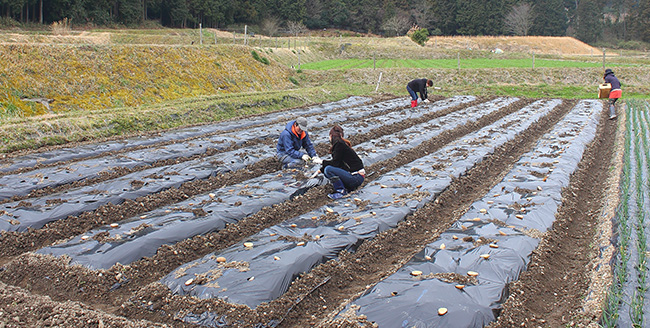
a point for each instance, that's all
(552, 45)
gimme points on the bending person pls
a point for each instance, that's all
(614, 94)
(292, 139)
(418, 85)
(345, 170)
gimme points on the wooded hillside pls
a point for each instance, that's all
(587, 20)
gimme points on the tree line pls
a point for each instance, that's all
(588, 20)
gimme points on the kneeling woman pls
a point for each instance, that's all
(345, 170)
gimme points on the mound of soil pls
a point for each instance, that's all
(552, 45)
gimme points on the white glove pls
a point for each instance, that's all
(314, 175)
(426, 100)
(305, 157)
(317, 160)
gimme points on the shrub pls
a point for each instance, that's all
(420, 36)
(436, 32)
(262, 60)
(8, 22)
(293, 80)
(632, 45)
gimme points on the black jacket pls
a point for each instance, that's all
(419, 85)
(343, 157)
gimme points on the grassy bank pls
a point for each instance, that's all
(105, 84)
(78, 125)
(82, 77)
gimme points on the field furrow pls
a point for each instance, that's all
(465, 202)
(466, 270)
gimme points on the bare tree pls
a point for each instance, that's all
(399, 24)
(423, 13)
(270, 25)
(520, 19)
(296, 28)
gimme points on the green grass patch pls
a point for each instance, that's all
(262, 60)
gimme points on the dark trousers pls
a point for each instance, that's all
(350, 181)
(414, 95)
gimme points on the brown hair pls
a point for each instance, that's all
(336, 133)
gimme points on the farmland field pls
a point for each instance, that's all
(495, 209)
(443, 63)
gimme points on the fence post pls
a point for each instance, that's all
(458, 58)
(374, 61)
(533, 60)
(245, 34)
(200, 34)
(603, 58)
(377, 88)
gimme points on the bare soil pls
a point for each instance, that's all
(44, 291)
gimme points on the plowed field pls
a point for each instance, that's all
(475, 211)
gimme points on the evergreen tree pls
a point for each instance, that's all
(589, 21)
(175, 13)
(337, 13)
(99, 12)
(640, 20)
(476, 17)
(365, 15)
(445, 16)
(314, 14)
(293, 10)
(550, 18)
(129, 12)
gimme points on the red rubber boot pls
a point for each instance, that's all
(414, 103)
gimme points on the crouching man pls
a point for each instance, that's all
(292, 139)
